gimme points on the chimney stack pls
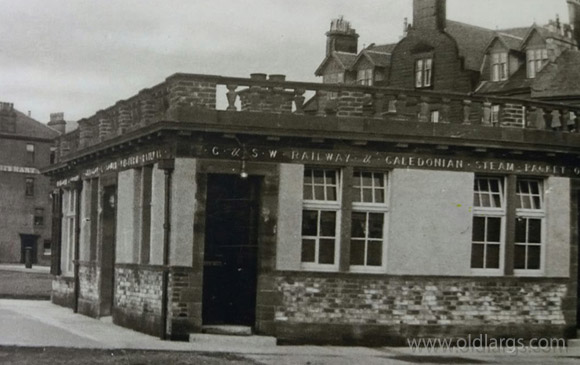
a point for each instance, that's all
(341, 37)
(574, 13)
(7, 117)
(430, 15)
(57, 122)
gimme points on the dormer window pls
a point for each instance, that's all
(536, 59)
(499, 66)
(423, 72)
(365, 77)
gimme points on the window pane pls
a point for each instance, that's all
(535, 230)
(356, 195)
(375, 253)
(330, 193)
(535, 187)
(521, 230)
(326, 252)
(330, 177)
(485, 201)
(496, 201)
(534, 257)
(376, 225)
(308, 192)
(358, 224)
(379, 195)
(357, 252)
(493, 229)
(379, 180)
(368, 195)
(492, 258)
(318, 192)
(327, 224)
(523, 187)
(308, 250)
(520, 257)
(494, 185)
(537, 202)
(318, 176)
(367, 179)
(477, 256)
(309, 223)
(476, 200)
(478, 229)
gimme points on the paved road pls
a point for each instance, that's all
(42, 324)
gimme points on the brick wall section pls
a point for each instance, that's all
(350, 104)
(63, 291)
(266, 100)
(185, 293)
(138, 297)
(436, 303)
(512, 115)
(192, 93)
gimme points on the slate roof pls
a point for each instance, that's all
(472, 42)
(383, 48)
(559, 78)
(378, 59)
(517, 83)
(28, 127)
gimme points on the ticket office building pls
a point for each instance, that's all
(324, 242)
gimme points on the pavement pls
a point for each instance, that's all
(35, 269)
(43, 324)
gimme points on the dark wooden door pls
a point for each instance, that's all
(231, 250)
(28, 241)
(108, 230)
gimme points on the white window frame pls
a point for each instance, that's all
(495, 112)
(491, 212)
(68, 232)
(424, 72)
(368, 208)
(536, 60)
(531, 213)
(499, 66)
(321, 206)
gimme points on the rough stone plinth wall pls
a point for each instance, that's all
(512, 115)
(266, 100)
(350, 104)
(63, 291)
(419, 301)
(88, 281)
(192, 93)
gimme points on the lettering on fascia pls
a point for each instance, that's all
(19, 169)
(312, 156)
(432, 162)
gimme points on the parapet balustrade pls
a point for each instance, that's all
(274, 94)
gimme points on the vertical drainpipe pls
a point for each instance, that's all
(167, 165)
(79, 188)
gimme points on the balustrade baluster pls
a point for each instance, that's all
(424, 109)
(299, 101)
(232, 95)
(378, 102)
(556, 124)
(466, 112)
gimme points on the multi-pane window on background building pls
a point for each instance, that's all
(29, 186)
(369, 210)
(529, 222)
(38, 217)
(423, 72)
(321, 209)
(30, 153)
(536, 59)
(68, 231)
(499, 66)
(365, 77)
(488, 222)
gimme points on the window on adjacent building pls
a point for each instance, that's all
(499, 66)
(536, 60)
(435, 116)
(29, 186)
(39, 216)
(369, 211)
(423, 72)
(46, 248)
(320, 218)
(365, 77)
(529, 224)
(30, 153)
(488, 223)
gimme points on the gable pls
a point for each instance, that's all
(535, 40)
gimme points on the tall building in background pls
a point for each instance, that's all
(26, 145)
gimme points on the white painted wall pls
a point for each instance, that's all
(157, 215)
(126, 216)
(430, 223)
(289, 232)
(183, 202)
(557, 196)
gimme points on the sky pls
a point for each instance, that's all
(80, 56)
